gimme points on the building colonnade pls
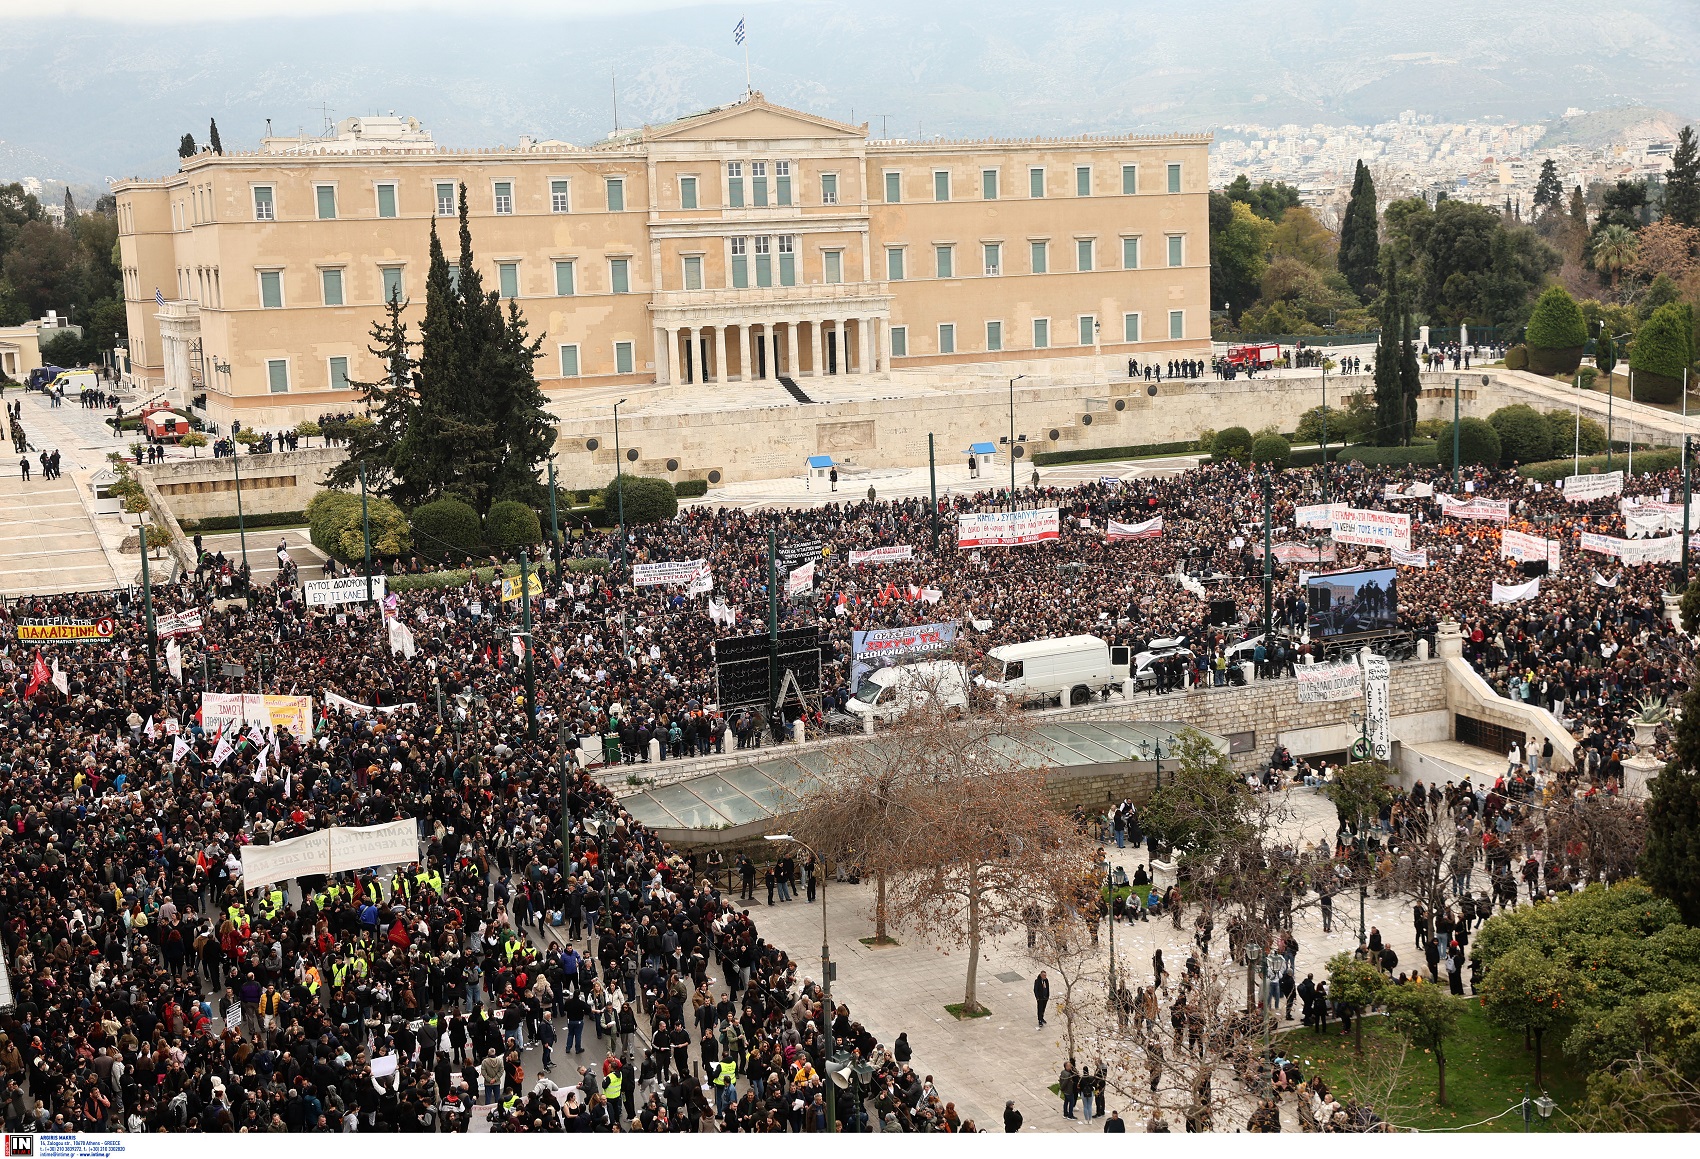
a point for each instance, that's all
(762, 351)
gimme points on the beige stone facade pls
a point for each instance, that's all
(740, 244)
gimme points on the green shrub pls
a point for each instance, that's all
(1585, 377)
(1663, 349)
(1557, 333)
(1311, 456)
(446, 525)
(1273, 450)
(232, 523)
(1233, 443)
(1417, 454)
(512, 524)
(1562, 429)
(691, 488)
(1104, 454)
(1478, 443)
(1432, 428)
(589, 565)
(455, 577)
(1517, 358)
(598, 515)
(647, 500)
(334, 525)
(1646, 463)
(1524, 436)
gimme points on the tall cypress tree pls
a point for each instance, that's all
(1360, 242)
(392, 405)
(213, 142)
(1389, 403)
(1410, 376)
(1682, 181)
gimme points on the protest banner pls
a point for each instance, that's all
(511, 587)
(882, 647)
(64, 630)
(1317, 515)
(1150, 529)
(1384, 529)
(1417, 558)
(793, 555)
(801, 581)
(1635, 552)
(1530, 549)
(1321, 683)
(882, 554)
(346, 589)
(335, 850)
(343, 704)
(177, 624)
(1511, 593)
(1492, 510)
(236, 710)
(678, 571)
(1586, 488)
(1378, 706)
(1007, 528)
(307, 855)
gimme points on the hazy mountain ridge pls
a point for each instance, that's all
(104, 99)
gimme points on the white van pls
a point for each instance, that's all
(73, 381)
(887, 693)
(1068, 669)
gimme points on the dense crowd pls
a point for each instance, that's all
(153, 991)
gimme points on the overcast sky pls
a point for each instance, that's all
(169, 11)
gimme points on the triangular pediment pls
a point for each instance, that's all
(752, 119)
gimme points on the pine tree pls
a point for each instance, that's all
(1548, 190)
(1682, 181)
(1670, 862)
(1389, 404)
(186, 147)
(392, 406)
(1360, 243)
(213, 142)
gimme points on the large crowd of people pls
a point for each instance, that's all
(153, 991)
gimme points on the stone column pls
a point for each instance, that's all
(864, 364)
(689, 371)
(765, 365)
(666, 350)
(816, 349)
(719, 353)
(791, 366)
(1449, 640)
(744, 374)
(843, 350)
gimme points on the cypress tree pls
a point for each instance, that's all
(1670, 862)
(391, 403)
(1389, 404)
(1360, 243)
(213, 142)
(1410, 376)
(1682, 181)
(1548, 191)
(1578, 209)
(186, 147)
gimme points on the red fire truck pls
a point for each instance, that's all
(1260, 357)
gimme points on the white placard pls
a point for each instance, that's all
(347, 589)
(1368, 528)
(1320, 683)
(882, 554)
(1585, 488)
(679, 571)
(1007, 528)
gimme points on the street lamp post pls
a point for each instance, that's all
(620, 485)
(825, 947)
(1325, 430)
(1012, 383)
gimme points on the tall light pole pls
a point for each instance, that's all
(825, 947)
(1456, 382)
(1325, 429)
(1012, 383)
(620, 484)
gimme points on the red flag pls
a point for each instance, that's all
(39, 674)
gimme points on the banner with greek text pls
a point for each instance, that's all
(882, 647)
(1417, 558)
(1530, 549)
(1378, 706)
(1321, 683)
(346, 589)
(511, 586)
(301, 856)
(1150, 529)
(1384, 529)
(237, 710)
(1007, 528)
(356, 847)
(177, 624)
(1492, 510)
(801, 581)
(1635, 552)
(678, 571)
(1586, 488)
(882, 554)
(1317, 515)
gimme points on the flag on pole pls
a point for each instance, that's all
(159, 298)
(150, 731)
(223, 749)
(39, 675)
(61, 679)
(174, 660)
(179, 750)
(737, 38)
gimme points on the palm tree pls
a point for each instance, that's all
(1614, 251)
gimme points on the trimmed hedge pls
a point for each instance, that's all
(598, 515)
(1557, 333)
(1273, 450)
(1233, 443)
(1517, 358)
(691, 488)
(1102, 454)
(446, 525)
(1417, 455)
(1524, 436)
(455, 577)
(1312, 456)
(1478, 443)
(1663, 349)
(334, 525)
(647, 500)
(588, 565)
(230, 522)
(511, 523)
(1562, 428)
(1646, 463)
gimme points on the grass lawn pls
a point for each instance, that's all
(1486, 1069)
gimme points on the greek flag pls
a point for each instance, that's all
(158, 297)
(738, 32)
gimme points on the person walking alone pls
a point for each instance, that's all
(1042, 994)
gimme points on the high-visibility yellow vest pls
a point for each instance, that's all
(339, 972)
(728, 1074)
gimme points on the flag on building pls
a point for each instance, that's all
(737, 38)
(158, 297)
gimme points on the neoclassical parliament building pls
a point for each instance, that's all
(740, 244)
